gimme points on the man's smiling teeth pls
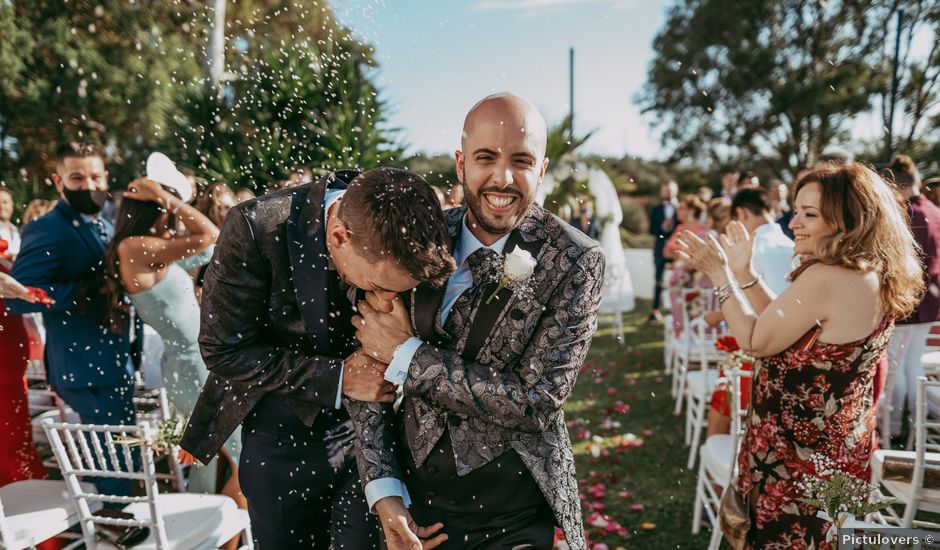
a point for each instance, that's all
(801, 237)
(499, 202)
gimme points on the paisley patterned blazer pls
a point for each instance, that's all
(508, 395)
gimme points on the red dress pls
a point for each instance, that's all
(810, 398)
(18, 459)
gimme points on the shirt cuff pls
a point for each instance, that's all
(377, 489)
(339, 390)
(397, 371)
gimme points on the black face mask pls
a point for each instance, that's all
(85, 201)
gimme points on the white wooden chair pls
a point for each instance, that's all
(699, 386)
(912, 495)
(695, 344)
(34, 510)
(930, 361)
(718, 463)
(153, 406)
(177, 521)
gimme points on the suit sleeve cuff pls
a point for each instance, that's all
(377, 489)
(339, 390)
(397, 371)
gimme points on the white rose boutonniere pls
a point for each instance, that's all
(518, 266)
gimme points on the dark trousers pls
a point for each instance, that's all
(497, 506)
(658, 284)
(302, 484)
(111, 405)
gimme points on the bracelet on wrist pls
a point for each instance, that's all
(749, 284)
(723, 293)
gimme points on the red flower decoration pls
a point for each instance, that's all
(689, 296)
(3, 247)
(727, 343)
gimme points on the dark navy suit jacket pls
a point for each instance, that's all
(657, 217)
(58, 251)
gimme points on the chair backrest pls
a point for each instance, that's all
(926, 433)
(97, 452)
(738, 413)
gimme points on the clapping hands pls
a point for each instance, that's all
(713, 258)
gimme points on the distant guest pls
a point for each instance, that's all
(585, 221)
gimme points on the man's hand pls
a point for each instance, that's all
(364, 379)
(401, 532)
(382, 326)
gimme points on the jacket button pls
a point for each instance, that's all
(432, 470)
(452, 502)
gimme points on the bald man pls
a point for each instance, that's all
(478, 455)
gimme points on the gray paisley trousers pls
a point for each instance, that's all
(510, 395)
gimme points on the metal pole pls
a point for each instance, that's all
(889, 136)
(571, 97)
(216, 52)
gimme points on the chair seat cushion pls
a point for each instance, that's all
(37, 509)
(717, 456)
(191, 520)
(700, 383)
(903, 489)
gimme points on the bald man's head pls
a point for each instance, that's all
(501, 163)
(511, 110)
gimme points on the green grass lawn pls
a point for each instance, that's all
(646, 487)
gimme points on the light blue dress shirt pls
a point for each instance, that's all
(397, 372)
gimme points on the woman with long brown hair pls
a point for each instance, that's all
(146, 262)
(818, 343)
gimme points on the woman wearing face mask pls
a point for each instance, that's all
(819, 343)
(146, 262)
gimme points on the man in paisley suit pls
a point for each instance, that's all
(479, 443)
(278, 342)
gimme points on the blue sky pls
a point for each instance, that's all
(438, 57)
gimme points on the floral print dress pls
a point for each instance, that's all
(810, 398)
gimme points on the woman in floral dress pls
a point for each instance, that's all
(819, 342)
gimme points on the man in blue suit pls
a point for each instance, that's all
(86, 364)
(662, 223)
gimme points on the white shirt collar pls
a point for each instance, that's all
(768, 228)
(469, 244)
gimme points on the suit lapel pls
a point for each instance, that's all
(487, 315)
(81, 226)
(308, 254)
(427, 300)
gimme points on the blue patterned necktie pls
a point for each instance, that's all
(101, 230)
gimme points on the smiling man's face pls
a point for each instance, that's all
(501, 165)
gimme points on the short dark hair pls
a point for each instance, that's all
(902, 171)
(747, 178)
(7, 190)
(395, 212)
(754, 199)
(79, 149)
(693, 202)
